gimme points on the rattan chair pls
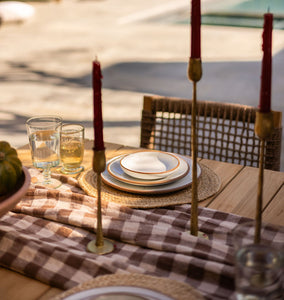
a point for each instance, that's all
(225, 131)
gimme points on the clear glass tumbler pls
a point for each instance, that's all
(259, 267)
(72, 148)
(43, 133)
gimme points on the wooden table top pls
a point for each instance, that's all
(237, 195)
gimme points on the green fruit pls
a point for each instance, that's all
(10, 168)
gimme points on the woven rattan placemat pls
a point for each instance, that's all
(171, 288)
(208, 185)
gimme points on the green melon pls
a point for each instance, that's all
(10, 168)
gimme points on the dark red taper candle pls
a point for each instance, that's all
(97, 103)
(195, 29)
(265, 89)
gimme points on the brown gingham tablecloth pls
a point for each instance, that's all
(46, 235)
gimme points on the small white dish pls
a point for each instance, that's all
(149, 165)
(115, 170)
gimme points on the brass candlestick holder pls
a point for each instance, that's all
(194, 74)
(100, 245)
(264, 125)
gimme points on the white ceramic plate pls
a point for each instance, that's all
(149, 165)
(118, 293)
(114, 169)
(160, 189)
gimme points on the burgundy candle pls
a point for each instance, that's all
(195, 28)
(265, 90)
(97, 102)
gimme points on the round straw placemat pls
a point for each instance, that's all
(208, 185)
(171, 288)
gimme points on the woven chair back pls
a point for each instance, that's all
(225, 131)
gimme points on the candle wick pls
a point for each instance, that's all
(268, 9)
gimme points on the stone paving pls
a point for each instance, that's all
(46, 65)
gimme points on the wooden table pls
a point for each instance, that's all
(237, 195)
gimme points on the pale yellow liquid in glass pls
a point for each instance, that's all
(71, 153)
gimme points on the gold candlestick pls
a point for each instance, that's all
(100, 245)
(264, 125)
(194, 74)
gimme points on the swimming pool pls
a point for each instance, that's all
(240, 13)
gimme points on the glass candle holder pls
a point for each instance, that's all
(258, 266)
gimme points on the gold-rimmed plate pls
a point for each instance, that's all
(159, 189)
(115, 170)
(119, 293)
(132, 286)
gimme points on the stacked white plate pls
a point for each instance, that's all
(149, 172)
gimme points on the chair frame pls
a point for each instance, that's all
(225, 131)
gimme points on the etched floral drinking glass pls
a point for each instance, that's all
(72, 148)
(44, 140)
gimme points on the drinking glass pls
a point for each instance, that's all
(258, 267)
(72, 148)
(43, 133)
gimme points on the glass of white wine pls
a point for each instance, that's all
(44, 140)
(72, 148)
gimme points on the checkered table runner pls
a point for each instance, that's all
(46, 235)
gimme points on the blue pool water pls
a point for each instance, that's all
(243, 13)
(248, 13)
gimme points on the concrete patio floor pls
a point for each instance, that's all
(46, 64)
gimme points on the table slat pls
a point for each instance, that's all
(226, 173)
(15, 286)
(274, 212)
(238, 196)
